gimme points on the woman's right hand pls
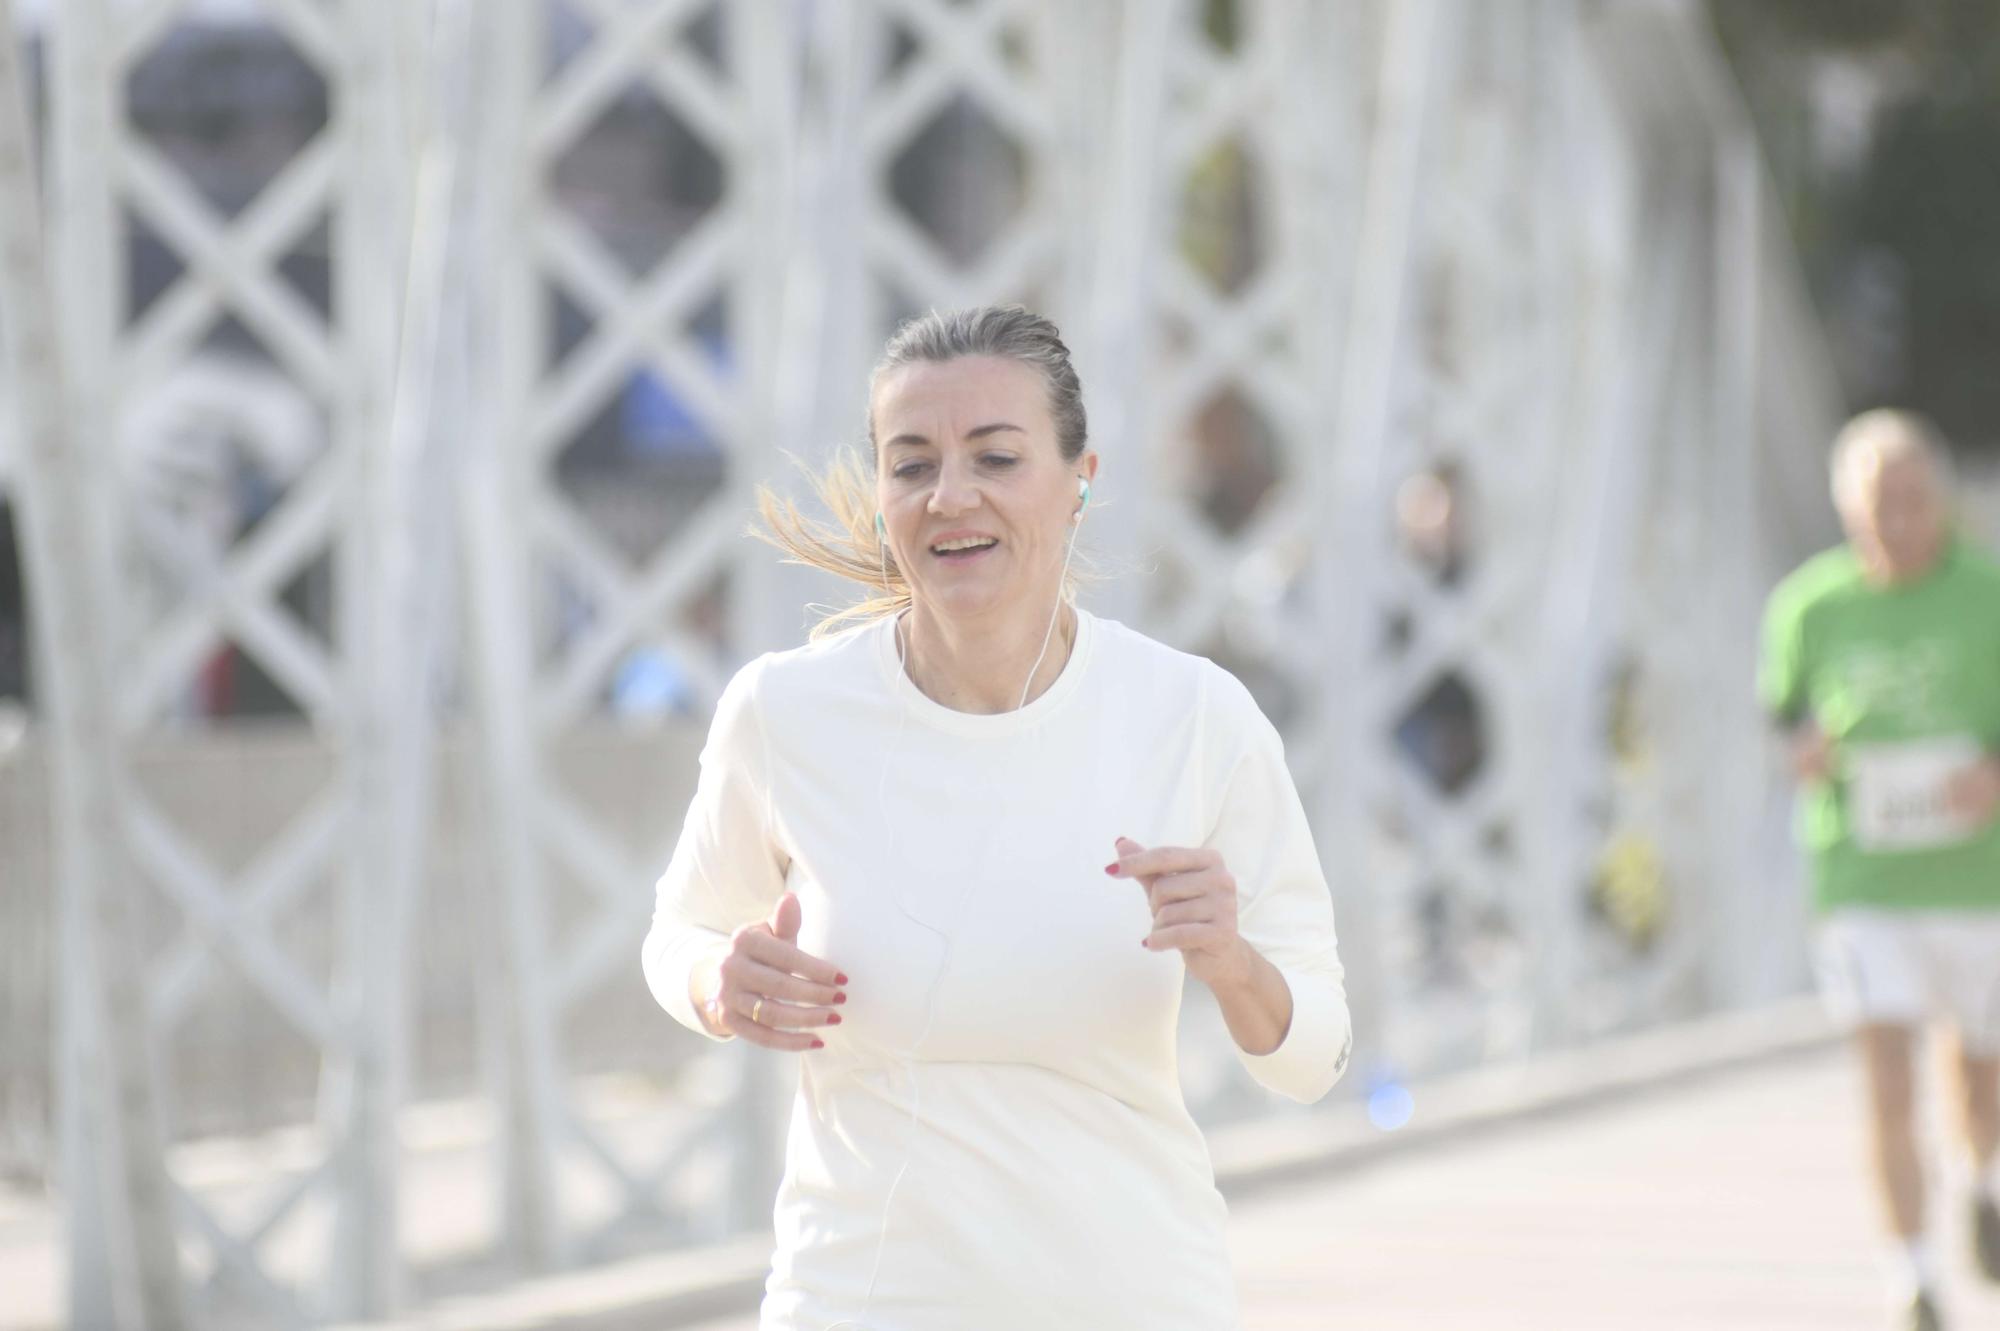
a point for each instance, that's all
(764, 989)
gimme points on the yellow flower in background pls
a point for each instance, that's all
(1630, 888)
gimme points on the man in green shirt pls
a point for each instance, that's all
(1882, 660)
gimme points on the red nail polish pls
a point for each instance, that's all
(819, 1044)
(1112, 868)
(840, 979)
(840, 998)
(833, 1020)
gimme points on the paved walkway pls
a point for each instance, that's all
(1732, 1204)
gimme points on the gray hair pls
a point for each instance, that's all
(1011, 331)
(1875, 438)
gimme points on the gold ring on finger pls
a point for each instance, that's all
(757, 1011)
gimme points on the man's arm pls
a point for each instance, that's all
(1810, 749)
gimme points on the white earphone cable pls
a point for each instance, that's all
(944, 964)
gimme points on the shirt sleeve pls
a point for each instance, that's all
(727, 868)
(1781, 666)
(1284, 908)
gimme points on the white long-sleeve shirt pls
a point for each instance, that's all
(952, 865)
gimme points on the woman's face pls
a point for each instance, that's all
(971, 484)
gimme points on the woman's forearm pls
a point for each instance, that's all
(704, 982)
(1256, 1003)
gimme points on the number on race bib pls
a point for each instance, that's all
(1898, 794)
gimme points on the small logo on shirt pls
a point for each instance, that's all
(1907, 684)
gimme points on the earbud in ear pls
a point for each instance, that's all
(1083, 489)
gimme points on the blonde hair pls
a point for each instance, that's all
(1875, 438)
(849, 546)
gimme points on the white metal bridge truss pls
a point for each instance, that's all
(1304, 252)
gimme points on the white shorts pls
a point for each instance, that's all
(1894, 967)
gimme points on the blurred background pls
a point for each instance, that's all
(385, 407)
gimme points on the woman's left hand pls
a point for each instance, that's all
(1193, 897)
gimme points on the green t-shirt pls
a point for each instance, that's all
(1905, 681)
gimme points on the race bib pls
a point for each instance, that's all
(1898, 793)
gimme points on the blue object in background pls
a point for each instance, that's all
(654, 420)
(650, 682)
(1390, 1104)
